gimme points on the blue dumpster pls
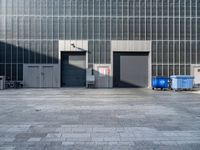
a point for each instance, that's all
(160, 82)
(182, 82)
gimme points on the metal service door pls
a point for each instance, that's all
(197, 76)
(102, 75)
(32, 76)
(40, 76)
(47, 76)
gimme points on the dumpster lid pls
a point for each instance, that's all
(182, 76)
(160, 77)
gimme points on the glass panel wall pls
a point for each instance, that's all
(30, 31)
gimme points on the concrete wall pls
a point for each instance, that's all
(116, 45)
(66, 45)
(130, 46)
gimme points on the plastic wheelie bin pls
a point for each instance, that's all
(159, 82)
(182, 82)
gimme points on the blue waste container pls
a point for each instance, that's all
(182, 82)
(159, 82)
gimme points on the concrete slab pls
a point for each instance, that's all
(99, 119)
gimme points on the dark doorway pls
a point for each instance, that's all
(73, 69)
(130, 69)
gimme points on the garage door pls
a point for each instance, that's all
(130, 69)
(73, 69)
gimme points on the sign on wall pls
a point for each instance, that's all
(104, 71)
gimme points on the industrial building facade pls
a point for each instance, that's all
(52, 43)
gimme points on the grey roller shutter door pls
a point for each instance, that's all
(130, 69)
(73, 69)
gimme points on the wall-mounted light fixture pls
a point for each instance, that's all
(73, 45)
(78, 48)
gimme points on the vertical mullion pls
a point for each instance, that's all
(151, 29)
(122, 19)
(81, 20)
(99, 18)
(52, 29)
(87, 19)
(128, 19)
(23, 32)
(40, 30)
(117, 19)
(110, 33)
(47, 29)
(35, 32)
(69, 17)
(168, 39)
(134, 20)
(179, 37)
(70, 21)
(162, 16)
(64, 24)
(76, 20)
(145, 20)
(196, 33)
(174, 43)
(190, 32)
(58, 19)
(105, 31)
(93, 33)
(17, 40)
(156, 38)
(11, 43)
(5, 19)
(185, 63)
(139, 19)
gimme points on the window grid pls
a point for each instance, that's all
(131, 24)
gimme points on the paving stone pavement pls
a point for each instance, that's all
(99, 119)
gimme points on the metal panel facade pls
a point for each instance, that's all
(30, 31)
